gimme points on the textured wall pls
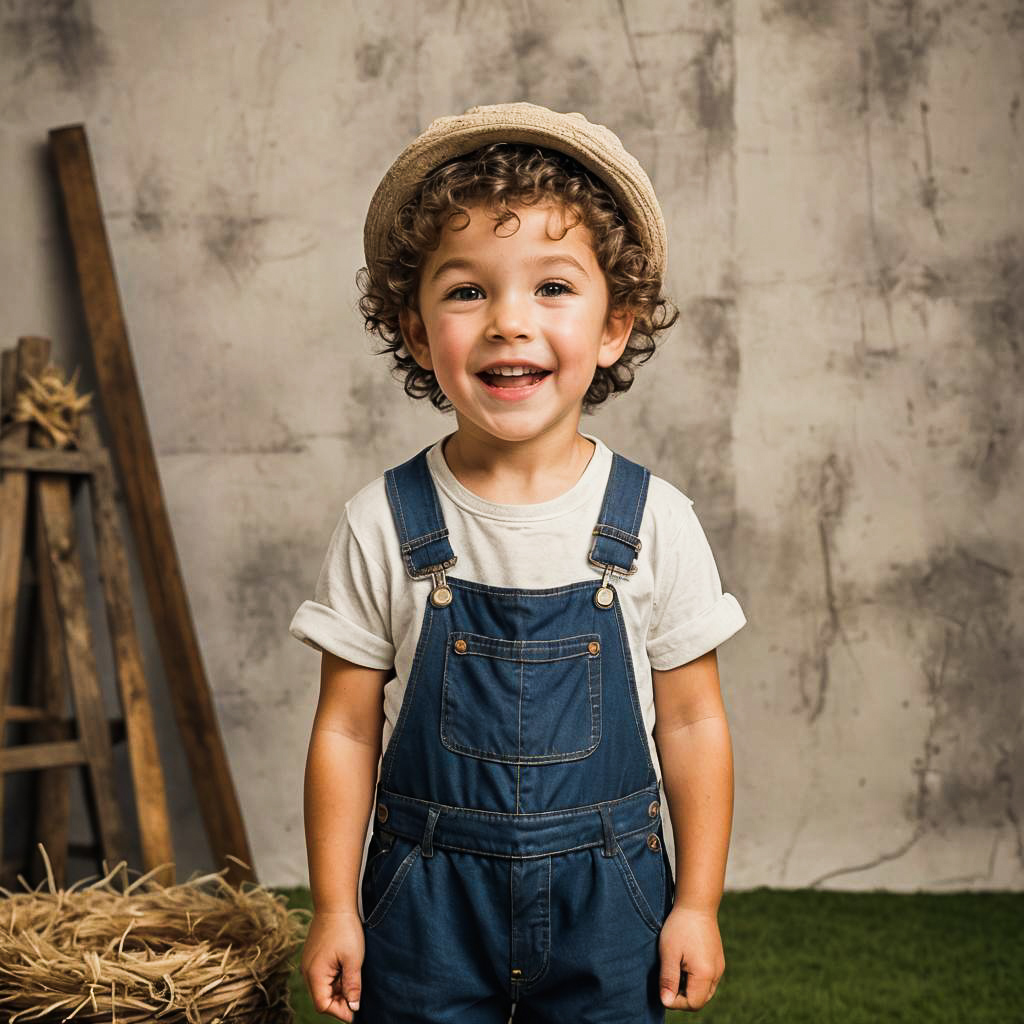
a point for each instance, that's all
(841, 397)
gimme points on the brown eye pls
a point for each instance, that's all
(556, 284)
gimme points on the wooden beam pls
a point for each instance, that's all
(136, 461)
(143, 752)
(30, 357)
(13, 517)
(31, 757)
(50, 691)
(42, 460)
(60, 569)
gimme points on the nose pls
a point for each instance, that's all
(510, 319)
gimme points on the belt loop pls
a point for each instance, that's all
(427, 842)
(610, 846)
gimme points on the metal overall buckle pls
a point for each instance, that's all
(440, 593)
(604, 596)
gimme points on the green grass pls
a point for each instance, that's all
(817, 957)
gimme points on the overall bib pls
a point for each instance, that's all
(517, 854)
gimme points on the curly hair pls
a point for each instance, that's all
(500, 175)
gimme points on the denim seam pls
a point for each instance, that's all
(440, 845)
(636, 894)
(547, 936)
(397, 880)
(582, 811)
(410, 691)
(638, 718)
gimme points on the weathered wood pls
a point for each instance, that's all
(143, 752)
(59, 555)
(136, 461)
(33, 756)
(49, 684)
(13, 515)
(30, 357)
(42, 460)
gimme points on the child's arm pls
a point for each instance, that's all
(692, 737)
(341, 774)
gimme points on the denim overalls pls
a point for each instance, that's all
(517, 853)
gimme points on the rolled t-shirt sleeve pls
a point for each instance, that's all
(349, 614)
(691, 615)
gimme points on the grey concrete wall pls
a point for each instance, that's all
(842, 184)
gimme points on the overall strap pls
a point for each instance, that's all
(617, 533)
(417, 514)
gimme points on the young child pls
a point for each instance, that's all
(522, 621)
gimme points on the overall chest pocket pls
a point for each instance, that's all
(522, 701)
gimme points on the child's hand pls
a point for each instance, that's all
(690, 941)
(331, 960)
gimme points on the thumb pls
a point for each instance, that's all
(669, 979)
(351, 983)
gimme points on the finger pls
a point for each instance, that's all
(322, 989)
(698, 990)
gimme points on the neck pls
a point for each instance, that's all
(517, 472)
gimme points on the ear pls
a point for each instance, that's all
(414, 334)
(617, 329)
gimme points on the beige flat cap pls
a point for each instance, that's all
(596, 147)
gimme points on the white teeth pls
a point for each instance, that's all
(513, 371)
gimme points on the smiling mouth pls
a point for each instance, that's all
(525, 380)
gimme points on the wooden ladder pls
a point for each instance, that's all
(37, 485)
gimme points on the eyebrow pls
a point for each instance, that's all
(460, 263)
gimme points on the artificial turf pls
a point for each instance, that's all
(807, 956)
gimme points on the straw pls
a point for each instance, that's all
(200, 952)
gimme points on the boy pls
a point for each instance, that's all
(530, 703)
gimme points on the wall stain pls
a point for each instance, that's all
(984, 374)
(694, 448)
(716, 85)
(264, 592)
(371, 420)
(371, 59)
(833, 482)
(815, 14)
(971, 768)
(1014, 19)
(232, 233)
(151, 200)
(53, 34)
(928, 189)
(900, 47)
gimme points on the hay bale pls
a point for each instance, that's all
(200, 952)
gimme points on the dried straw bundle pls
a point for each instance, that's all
(200, 952)
(52, 403)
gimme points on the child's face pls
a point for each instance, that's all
(515, 296)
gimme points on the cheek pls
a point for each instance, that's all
(448, 348)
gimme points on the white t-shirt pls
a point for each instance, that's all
(366, 609)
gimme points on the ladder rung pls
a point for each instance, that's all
(46, 460)
(36, 756)
(24, 713)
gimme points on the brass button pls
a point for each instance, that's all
(603, 597)
(653, 843)
(461, 646)
(441, 596)
(382, 812)
(593, 647)
(653, 809)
